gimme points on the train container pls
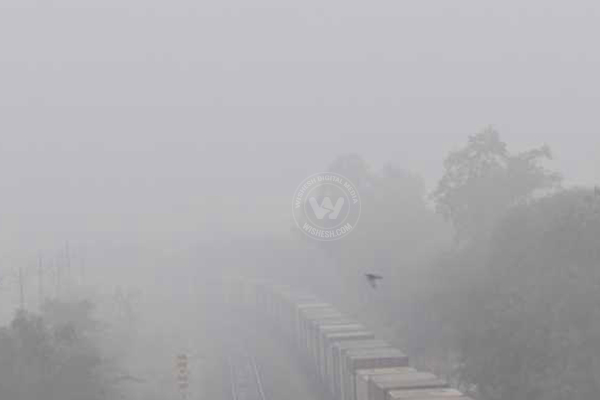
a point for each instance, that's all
(243, 289)
(330, 340)
(247, 293)
(273, 297)
(254, 289)
(301, 312)
(427, 394)
(363, 376)
(380, 386)
(367, 359)
(263, 291)
(278, 300)
(303, 309)
(277, 304)
(338, 352)
(232, 291)
(325, 327)
(307, 325)
(312, 328)
(315, 329)
(322, 342)
(297, 308)
(268, 298)
(314, 314)
(287, 307)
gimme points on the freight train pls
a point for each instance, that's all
(346, 358)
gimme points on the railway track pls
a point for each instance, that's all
(244, 375)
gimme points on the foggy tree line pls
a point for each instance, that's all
(52, 355)
(66, 352)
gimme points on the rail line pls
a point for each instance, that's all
(245, 377)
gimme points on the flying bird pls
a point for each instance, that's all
(372, 278)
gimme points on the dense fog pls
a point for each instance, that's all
(430, 170)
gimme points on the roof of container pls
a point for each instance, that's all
(316, 310)
(304, 306)
(345, 327)
(300, 298)
(362, 344)
(324, 313)
(332, 321)
(411, 376)
(328, 316)
(336, 335)
(384, 371)
(374, 353)
(340, 328)
(427, 394)
(408, 380)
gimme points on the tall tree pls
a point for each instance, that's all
(483, 180)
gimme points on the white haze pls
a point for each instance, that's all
(135, 121)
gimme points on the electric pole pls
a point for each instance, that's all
(68, 261)
(40, 281)
(57, 265)
(21, 290)
(82, 270)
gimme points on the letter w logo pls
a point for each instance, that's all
(326, 207)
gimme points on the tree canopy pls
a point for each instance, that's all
(483, 180)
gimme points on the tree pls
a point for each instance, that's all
(355, 168)
(533, 330)
(53, 356)
(483, 180)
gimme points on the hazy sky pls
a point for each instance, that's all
(133, 119)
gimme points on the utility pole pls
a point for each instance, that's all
(40, 281)
(68, 261)
(21, 290)
(57, 265)
(82, 270)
